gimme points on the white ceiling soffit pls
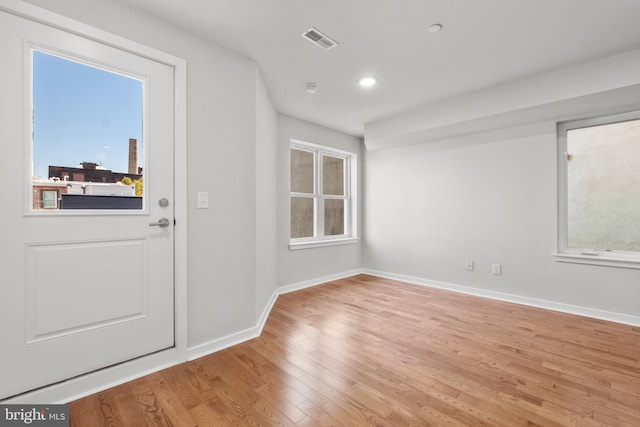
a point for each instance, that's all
(605, 86)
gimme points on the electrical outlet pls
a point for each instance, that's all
(496, 269)
(468, 265)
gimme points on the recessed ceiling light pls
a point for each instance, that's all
(367, 81)
(434, 28)
(311, 87)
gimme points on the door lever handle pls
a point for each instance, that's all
(163, 222)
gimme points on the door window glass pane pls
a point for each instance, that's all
(333, 176)
(87, 134)
(302, 217)
(333, 217)
(301, 171)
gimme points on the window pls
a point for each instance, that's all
(87, 126)
(322, 201)
(50, 199)
(600, 190)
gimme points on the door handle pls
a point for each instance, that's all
(163, 222)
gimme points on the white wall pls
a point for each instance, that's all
(480, 183)
(230, 119)
(489, 197)
(266, 194)
(310, 264)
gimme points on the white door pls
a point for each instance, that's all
(80, 289)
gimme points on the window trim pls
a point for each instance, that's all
(90, 61)
(590, 256)
(350, 197)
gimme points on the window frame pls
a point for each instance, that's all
(592, 256)
(112, 64)
(45, 199)
(349, 197)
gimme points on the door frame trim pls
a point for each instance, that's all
(92, 382)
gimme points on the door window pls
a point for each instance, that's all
(87, 134)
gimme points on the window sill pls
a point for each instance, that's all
(603, 260)
(322, 243)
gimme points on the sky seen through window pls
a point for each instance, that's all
(83, 114)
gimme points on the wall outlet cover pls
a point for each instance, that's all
(496, 269)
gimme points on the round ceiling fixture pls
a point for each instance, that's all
(367, 81)
(434, 28)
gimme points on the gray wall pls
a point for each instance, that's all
(310, 264)
(490, 197)
(480, 183)
(266, 193)
(230, 124)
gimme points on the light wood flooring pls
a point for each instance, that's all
(365, 351)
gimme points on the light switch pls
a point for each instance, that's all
(203, 200)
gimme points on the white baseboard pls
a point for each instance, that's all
(103, 379)
(533, 302)
(94, 382)
(319, 281)
(218, 344)
(109, 377)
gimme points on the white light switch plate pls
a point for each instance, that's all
(203, 200)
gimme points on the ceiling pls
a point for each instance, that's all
(482, 44)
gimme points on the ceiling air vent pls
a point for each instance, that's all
(319, 39)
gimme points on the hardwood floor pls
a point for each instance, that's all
(365, 351)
